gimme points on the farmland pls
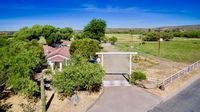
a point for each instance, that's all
(179, 49)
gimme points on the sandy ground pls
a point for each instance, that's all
(157, 69)
(176, 85)
(57, 105)
(86, 100)
(17, 100)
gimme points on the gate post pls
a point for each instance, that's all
(102, 60)
(130, 64)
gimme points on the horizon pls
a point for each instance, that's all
(77, 14)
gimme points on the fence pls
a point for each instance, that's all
(179, 74)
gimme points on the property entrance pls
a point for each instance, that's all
(116, 62)
(118, 66)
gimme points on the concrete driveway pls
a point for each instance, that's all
(125, 99)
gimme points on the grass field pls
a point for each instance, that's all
(179, 49)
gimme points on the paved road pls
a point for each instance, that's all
(187, 100)
(125, 99)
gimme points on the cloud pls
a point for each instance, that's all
(111, 9)
(108, 9)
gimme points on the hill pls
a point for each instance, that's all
(127, 30)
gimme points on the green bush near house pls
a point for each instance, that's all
(80, 75)
(137, 75)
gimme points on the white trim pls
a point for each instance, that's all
(118, 53)
(57, 55)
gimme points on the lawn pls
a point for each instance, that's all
(179, 49)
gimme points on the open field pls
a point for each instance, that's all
(179, 49)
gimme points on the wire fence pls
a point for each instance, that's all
(179, 74)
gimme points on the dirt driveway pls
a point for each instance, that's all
(125, 99)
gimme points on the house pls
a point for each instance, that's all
(56, 57)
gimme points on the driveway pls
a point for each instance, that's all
(115, 63)
(188, 100)
(125, 99)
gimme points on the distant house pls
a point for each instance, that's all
(56, 56)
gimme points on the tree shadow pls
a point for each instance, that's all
(49, 102)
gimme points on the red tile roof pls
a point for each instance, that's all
(64, 51)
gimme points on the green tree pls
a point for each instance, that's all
(84, 47)
(95, 29)
(18, 59)
(50, 33)
(54, 38)
(47, 30)
(66, 33)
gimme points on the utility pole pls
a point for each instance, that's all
(43, 100)
(159, 42)
(132, 39)
(159, 47)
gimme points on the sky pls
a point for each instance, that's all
(15, 14)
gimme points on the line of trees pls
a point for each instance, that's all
(187, 34)
(50, 33)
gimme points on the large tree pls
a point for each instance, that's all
(50, 33)
(84, 47)
(95, 29)
(66, 32)
(18, 59)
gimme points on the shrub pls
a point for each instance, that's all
(152, 36)
(137, 76)
(78, 76)
(167, 36)
(113, 40)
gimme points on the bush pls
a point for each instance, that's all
(78, 76)
(113, 40)
(84, 47)
(137, 76)
(167, 36)
(152, 36)
(187, 34)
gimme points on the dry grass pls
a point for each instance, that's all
(157, 69)
(176, 85)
